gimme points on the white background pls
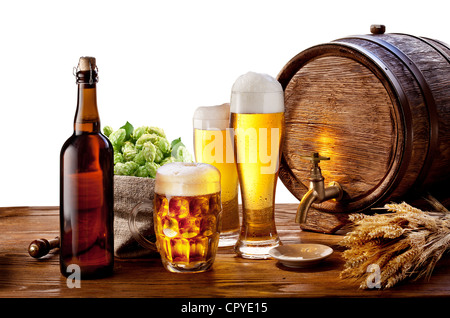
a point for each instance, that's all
(158, 61)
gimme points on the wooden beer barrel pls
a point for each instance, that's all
(379, 106)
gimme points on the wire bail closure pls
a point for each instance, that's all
(76, 69)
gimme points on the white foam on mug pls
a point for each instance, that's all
(212, 117)
(256, 93)
(187, 179)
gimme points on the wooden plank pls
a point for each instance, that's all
(24, 277)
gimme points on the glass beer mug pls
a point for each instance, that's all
(213, 144)
(187, 214)
(257, 117)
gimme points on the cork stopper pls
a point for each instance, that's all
(86, 63)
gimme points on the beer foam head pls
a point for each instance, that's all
(252, 82)
(187, 179)
(212, 117)
(256, 93)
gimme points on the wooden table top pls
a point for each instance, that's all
(22, 276)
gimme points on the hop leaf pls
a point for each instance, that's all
(180, 152)
(128, 130)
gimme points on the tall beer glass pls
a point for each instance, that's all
(213, 144)
(187, 214)
(257, 116)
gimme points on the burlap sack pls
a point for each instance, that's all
(128, 192)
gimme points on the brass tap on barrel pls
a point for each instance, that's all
(317, 192)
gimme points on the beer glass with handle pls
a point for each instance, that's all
(187, 214)
(213, 144)
(257, 117)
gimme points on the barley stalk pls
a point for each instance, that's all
(406, 243)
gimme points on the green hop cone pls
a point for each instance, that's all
(144, 139)
(156, 130)
(142, 172)
(107, 130)
(117, 138)
(152, 167)
(118, 157)
(140, 158)
(147, 170)
(164, 145)
(126, 169)
(149, 151)
(159, 156)
(128, 151)
(138, 132)
(167, 160)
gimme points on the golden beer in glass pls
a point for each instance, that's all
(213, 144)
(257, 117)
(187, 215)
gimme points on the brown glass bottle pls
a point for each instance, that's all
(86, 186)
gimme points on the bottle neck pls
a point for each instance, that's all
(87, 119)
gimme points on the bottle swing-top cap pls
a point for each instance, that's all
(86, 64)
